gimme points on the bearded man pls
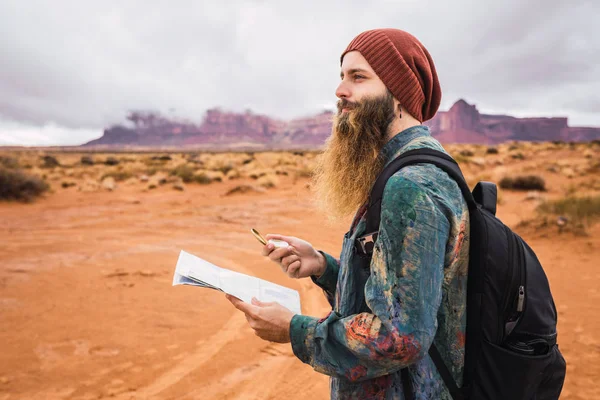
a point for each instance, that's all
(416, 289)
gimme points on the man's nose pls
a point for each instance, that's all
(342, 91)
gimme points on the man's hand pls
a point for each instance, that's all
(270, 321)
(298, 260)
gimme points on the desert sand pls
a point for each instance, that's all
(87, 310)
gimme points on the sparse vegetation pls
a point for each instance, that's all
(111, 161)
(574, 213)
(491, 150)
(9, 162)
(183, 171)
(87, 160)
(16, 185)
(527, 182)
(118, 176)
(202, 178)
(49, 162)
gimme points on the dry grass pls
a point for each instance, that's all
(577, 209)
(19, 186)
(118, 176)
(527, 182)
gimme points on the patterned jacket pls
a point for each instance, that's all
(416, 290)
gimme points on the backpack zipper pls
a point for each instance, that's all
(515, 285)
(521, 295)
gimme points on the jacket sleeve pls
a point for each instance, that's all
(403, 292)
(328, 281)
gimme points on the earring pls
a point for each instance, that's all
(399, 111)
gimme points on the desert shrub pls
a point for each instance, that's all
(247, 161)
(225, 168)
(66, 185)
(491, 150)
(268, 181)
(202, 179)
(577, 209)
(118, 176)
(9, 162)
(162, 158)
(517, 156)
(183, 171)
(87, 160)
(111, 161)
(527, 182)
(16, 185)
(466, 153)
(50, 162)
(303, 172)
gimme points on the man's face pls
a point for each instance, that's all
(351, 160)
(358, 81)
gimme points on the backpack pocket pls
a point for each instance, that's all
(509, 374)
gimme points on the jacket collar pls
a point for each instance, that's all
(395, 145)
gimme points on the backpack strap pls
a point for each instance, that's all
(364, 245)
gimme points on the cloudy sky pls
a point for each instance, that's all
(70, 68)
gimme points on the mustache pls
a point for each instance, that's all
(343, 103)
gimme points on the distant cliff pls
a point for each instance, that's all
(219, 129)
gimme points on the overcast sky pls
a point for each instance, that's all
(68, 69)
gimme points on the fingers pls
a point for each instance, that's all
(293, 269)
(288, 260)
(277, 254)
(248, 309)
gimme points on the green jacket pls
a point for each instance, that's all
(416, 290)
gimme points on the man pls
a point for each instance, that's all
(416, 290)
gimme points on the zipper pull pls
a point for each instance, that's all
(521, 300)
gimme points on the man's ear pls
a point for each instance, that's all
(397, 108)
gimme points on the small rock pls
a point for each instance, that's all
(144, 178)
(179, 186)
(479, 161)
(109, 183)
(534, 195)
(568, 172)
(562, 221)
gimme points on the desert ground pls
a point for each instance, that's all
(87, 309)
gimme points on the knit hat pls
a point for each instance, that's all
(405, 67)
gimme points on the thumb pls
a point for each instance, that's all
(259, 303)
(277, 236)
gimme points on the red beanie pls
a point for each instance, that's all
(405, 67)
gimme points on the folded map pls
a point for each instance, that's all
(192, 270)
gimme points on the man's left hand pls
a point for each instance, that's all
(270, 321)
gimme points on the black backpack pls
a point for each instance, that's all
(511, 351)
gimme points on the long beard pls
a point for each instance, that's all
(351, 160)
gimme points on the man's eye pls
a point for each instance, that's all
(359, 77)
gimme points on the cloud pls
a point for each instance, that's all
(83, 65)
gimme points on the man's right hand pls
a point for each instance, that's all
(298, 260)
